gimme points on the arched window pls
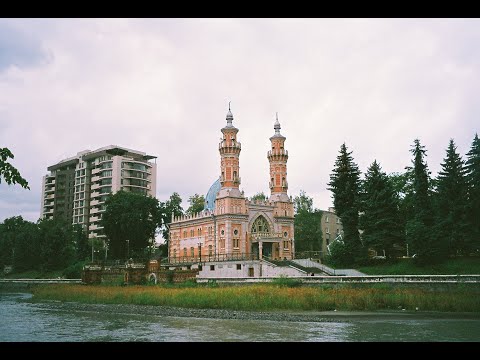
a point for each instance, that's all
(210, 251)
(184, 252)
(260, 225)
(192, 252)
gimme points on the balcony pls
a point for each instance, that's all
(94, 187)
(94, 202)
(96, 170)
(95, 178)
(280, 152)
(94, 194)
(50, 196)
(50, 190)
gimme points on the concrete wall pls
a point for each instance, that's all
(399, 279)
(228, 269)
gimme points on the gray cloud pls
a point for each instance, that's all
(162, 86)
(20, 49)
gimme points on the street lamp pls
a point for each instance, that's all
(200, 251)
(128, 248)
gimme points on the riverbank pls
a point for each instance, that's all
(271, 297)
(285, 315)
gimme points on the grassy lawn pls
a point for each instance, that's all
(456, 266)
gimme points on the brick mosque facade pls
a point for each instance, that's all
(232, 226)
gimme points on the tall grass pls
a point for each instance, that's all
(267, 297)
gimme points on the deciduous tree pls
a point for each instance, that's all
(8, 172)
(133, 217)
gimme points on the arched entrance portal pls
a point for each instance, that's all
(260, 229)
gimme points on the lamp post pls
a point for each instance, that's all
(128, 248)
(200, 251)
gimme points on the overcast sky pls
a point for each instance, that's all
(162, 86)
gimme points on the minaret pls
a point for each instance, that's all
(278, 157)
(229, 149)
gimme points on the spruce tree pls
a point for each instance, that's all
(419, 229)
(379, 219)
(472, 166)
(450, 204)
(344, 184)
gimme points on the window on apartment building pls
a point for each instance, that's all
(327, 230)
(338, 220)
(326, 218)
(106, 181)
(82, 188)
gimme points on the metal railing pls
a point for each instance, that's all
(211, 258)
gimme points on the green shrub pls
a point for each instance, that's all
(74, 271)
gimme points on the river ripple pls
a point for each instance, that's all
(33, 322)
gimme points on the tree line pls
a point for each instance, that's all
(434, 218)
(131, 221)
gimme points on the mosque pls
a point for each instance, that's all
(232, 227)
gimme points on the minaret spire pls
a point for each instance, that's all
(229, 116)
(276, 126)
(229, 149)
(278, 157)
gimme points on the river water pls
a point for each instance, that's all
(21, 320)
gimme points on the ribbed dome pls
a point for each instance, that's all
(212, 195)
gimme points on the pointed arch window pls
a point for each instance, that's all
(260, 225)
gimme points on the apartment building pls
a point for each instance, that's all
(76, 188)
